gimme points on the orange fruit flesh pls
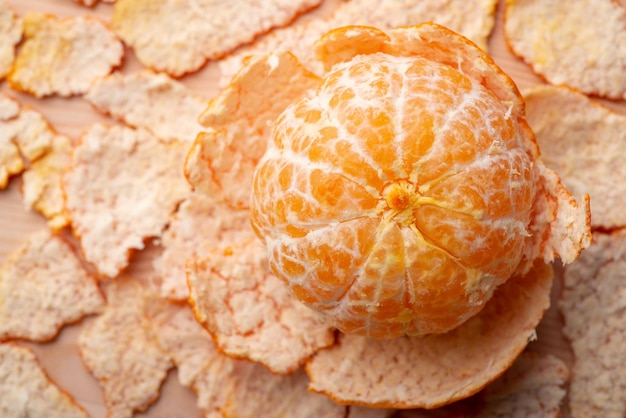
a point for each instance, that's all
(396, 198)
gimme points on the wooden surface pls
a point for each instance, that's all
(70, 117)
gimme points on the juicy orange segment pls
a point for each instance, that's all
(399, 195)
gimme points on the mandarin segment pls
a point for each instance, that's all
(419, 139)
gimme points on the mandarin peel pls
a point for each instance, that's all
(398, 195)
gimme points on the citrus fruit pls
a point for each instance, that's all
(397, 196)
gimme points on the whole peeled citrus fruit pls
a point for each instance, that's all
(399, 194)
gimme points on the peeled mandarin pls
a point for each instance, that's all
(397, 196)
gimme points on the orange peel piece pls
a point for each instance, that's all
(581, 44)
(198, 224)
(249, 312)
(435, 370)
(90, 3)
(576, 134)
(401, 193)
(41, 183)
(473, 19)
(229, 387)
(63, 56)
(592, 303)
(25, 136)
(11, 162)
(10, 36)
(121, 351)
(29, 144)
(532, 387)
(222, 160)
(43, 287)
(156, 29)
(364, 412)
(121, 188)
(26, 390)
(145, 99)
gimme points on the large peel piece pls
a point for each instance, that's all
(121, 188)
(43, 287)
(222, 159)
(227, 387)
(249, 311)
(473, 19)
(592, 303)
(435, 370)
(179, 37)
(63, 56)
(10, 35)
(583, 141)
(121, 350)
(26, 391)
(581, 44)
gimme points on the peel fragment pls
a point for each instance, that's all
(581, 44)
(473, 19)
(10, 36)
(93, 2)
(229, 387)
(592, 304)
(43, 287)
(25, 136)
(249, 311)
(179, 37)
(365, 371)
(41, 185)
(121, 188)
(532, 387)
(222, 159)
(579, 136)
(63, 56)
(199, 223)
(145, 99)
(26, 391)
(120, 349)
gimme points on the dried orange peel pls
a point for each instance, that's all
(403, 190)
(27, 391)
(592, 304)
(436, 370)
(473, 19)
(11, 34)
